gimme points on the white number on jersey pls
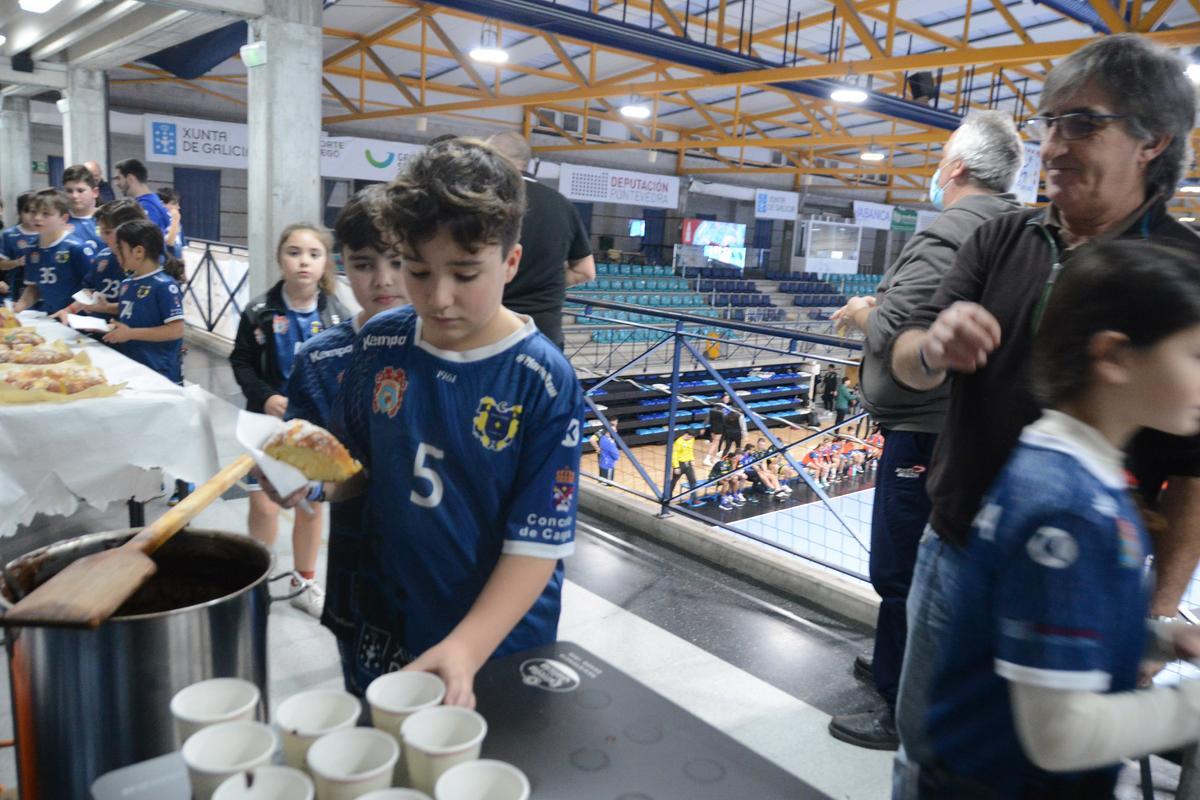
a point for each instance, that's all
(49, 276)
(110, 287)
(421, 470)
(126, 309)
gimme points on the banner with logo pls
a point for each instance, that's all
(1026, 186)
(599, 185)
(873, 215)
(770, 204)
(204, 143)
(196, 142)
(904, 220)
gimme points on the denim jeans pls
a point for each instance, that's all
(930, 610)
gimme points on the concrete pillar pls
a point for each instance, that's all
(16, 167)
(284, 115)
(85, 120)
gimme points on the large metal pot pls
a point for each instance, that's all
(87, 702)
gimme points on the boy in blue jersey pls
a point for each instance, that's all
(80, 188)
(149, 324)
(468, 421)
(376, 278)
(1038, 671)
(106, 274)
(16, 243)
(54, 271)
(175, 238)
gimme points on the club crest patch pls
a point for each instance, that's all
(390, 386)
(564, 489)
(280, 324)
(143, 291)
(1131, 555)
(314, 327)
(35, 256)
(62, 256)
(496, 423)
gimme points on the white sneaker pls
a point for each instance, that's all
(312, 600)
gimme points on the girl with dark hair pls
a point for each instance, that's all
(1037, 677)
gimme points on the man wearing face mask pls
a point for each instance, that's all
(978, 165)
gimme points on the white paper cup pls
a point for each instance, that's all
(395, 794)
(308, 716)
(435, 739)
(349, 763)
(395, 697)
(266, 783)
(215, 753)
(483, 780)
(212, 701)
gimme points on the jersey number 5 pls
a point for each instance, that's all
(423, 470)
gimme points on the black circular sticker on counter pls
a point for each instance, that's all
(550, 675)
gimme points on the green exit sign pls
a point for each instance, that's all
(41, 167)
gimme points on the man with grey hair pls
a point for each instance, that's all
(978, 165)
(1114, 120)
(556, 252)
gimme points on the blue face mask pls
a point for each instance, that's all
(937, 193)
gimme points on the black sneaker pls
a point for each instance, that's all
(874, 730)
(864, 668)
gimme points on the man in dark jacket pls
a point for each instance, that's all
(978, 166)
(556, 253)
(1114, 120)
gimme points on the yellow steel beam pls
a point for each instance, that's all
(372, 38)
(341, 98)
(411, 47)
(845, 171)
(463, 62)
(340, 33)
(392, 77)
(1155, 14)
(1010, 54)
(1109, 15)
(773, 143)
(582, 80)
(865, 38)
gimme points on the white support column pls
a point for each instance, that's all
(16, 153)
(284, 114)
(85, 120)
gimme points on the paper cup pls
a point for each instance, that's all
(266, 783)
(395, 794)
(212, 701)
(215, 753)
(308, 716)
(349, 763)
(436, 739)
(483, 780)
(395, 697)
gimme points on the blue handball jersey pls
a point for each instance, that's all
(105, 276)
(147, 302)
(317, 373)
(16, 243)
(85, 231)
(471, 454)
(1055, 594)
(58, 271)
(292, 329)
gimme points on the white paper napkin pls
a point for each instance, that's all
(85, 296)
(82, 323)
(253, 431)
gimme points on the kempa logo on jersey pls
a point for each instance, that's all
(910, 472)
(541, 371)
(496, 423)
(390, 385)
(321, 355)
(384, 341)
(549, 675)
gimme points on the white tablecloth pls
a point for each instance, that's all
(56, 456)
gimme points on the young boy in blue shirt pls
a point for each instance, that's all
(436, 396)
(16, 243)
(54, 271)
(106, 274)
(374, 270)
(80, 188)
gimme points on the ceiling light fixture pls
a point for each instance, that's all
(489, 50)
(871, 155)
(1193, 72)
(636, 108)
(38, 6)
(1187, 219)
(848, 94)
(1191, 188)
